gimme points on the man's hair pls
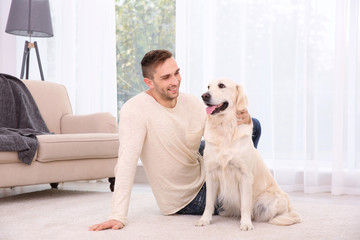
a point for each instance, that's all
(153, 59)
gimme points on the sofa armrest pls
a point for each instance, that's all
(89, 123)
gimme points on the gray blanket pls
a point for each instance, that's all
(20, 119)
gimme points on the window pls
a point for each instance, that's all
(141, 26)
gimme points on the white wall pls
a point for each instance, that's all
(7, 43)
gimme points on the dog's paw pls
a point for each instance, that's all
(201, 223)
(246, 226)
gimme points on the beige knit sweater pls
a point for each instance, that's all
(167, 141)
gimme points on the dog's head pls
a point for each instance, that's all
(224, 95)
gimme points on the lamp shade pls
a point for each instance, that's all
(30, 18)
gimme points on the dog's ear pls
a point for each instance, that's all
(241, 98)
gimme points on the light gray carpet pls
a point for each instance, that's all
(60, 214)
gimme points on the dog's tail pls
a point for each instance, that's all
(286, 218)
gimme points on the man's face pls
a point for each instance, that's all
(166, 80)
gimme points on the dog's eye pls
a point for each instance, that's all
(221, 85)
(208, 87)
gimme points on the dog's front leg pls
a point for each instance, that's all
(246, 202)
(211, 194)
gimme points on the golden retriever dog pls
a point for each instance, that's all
(236, 174)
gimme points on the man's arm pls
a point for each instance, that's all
(132, 131)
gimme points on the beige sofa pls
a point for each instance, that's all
(83, 147)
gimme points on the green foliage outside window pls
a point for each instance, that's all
(141, 26)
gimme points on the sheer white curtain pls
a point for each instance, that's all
(81, 55)
(299, 61)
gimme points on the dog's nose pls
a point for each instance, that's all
(205, 96)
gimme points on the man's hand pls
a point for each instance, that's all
(110, 224)
(243, 117)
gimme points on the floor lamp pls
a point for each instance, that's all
(30, 18)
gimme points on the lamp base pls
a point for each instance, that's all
(26, 58)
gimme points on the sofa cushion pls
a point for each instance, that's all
(11, 157)
(77, 146)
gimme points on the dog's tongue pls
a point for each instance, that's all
(209, 110)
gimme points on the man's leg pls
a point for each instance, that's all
(196, 206)
(256, 132)
(202, 147)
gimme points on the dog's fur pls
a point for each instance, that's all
(235, 172)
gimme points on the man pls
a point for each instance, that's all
(164, 128)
